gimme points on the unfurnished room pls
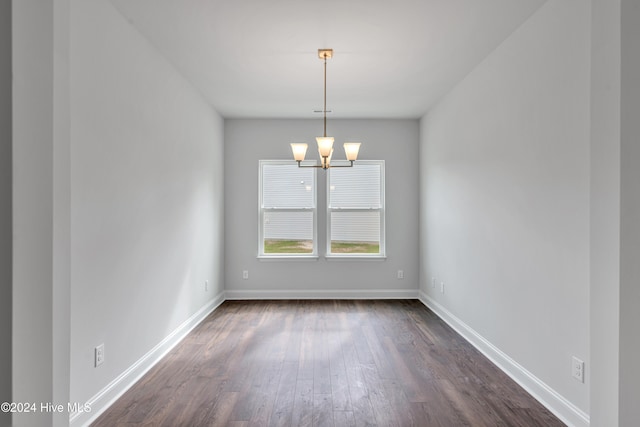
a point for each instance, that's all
(320, 213)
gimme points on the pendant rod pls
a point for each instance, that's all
(325, 95)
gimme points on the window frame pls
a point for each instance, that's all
(262, 210)
(329, 209)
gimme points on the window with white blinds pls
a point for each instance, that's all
(355, 210)
(287, 224)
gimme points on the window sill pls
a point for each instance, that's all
(288, 258)
(362, 257)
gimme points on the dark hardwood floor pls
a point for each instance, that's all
(325, 363)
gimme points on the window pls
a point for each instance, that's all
(287, 209)
(355, 210)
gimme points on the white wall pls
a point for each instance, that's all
(630, 214)
(605, 213)
(146, 198)
(247, 141)
(61, 159)
(40, 311)
(5, 208)
(505, 204)
(615, 208)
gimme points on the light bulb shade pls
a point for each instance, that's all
(325, 160)
(351, 150)
(325, 145)
(299, 150)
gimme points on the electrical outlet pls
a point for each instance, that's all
(245, 274)
(400, 274)
(577, 369)
(206, 285)
(433, 282)
(442, 287)
(99, 355)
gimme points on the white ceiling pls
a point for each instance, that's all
(258, 58)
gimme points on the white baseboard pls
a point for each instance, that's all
(552, 400)
(116, 388)
(322, 294)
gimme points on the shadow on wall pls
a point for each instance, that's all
(6, 282)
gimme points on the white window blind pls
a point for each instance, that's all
(355, 209)
(287, 209)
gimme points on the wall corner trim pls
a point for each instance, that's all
(116, 388)
(551, 399)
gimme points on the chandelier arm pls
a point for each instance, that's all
(343, 166)
(324, 165)
(307, 166)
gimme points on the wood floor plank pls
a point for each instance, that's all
(382, 411)
(281, 414)
(363, 411)
(338, 371)
(344, 419)
(400, 407)
(413, 383)
(220, 412)
(325, 363)
(302, 408)
(306, 354)
(321, 366)
(379, 354)
(322, 411)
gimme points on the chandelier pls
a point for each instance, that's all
(325, 143)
